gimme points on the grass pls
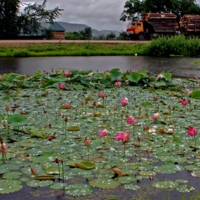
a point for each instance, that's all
(162, 46)
(71, 49)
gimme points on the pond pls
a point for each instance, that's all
(178, 66)
(160, 164)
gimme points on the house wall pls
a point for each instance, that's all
(58, 35)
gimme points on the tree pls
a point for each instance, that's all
(110, 36)
(8, 18)
(179, 7)
(85, 34)
(13, 23)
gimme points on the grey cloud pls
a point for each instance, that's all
(100, 15)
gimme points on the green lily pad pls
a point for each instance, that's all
(16, 118)
(104, 183)
(147, 173)
(78, 189)
(126, 179)
(185, 188)
(166, 184)
(58, 186)
(37, 183)
(168, 169)
(12, 175)
(9, 186)
(131, 187)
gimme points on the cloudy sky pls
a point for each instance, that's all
(100, 15)
(97, 14)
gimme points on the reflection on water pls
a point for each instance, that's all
(177, 65)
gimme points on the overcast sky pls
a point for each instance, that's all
(97, 14)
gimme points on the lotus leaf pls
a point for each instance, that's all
(126, 179)
(166, 184)
(58, 186)
(195, 94)
(185, 188)
(16, 118)
(104, 183)
(131, 187)
(78, 189)
(37, 183)
(147, 173)
(181, 181)
(9, 186)
(168, 169)
(12, 175)
(192, 168)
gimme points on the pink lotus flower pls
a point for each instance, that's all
(124, 101)
(62, 86)
(184, 102)
(156, 116)
(123, 136)
(187, 91)
(131, 120)
(103, 133)
(192, 131)
(118, 83)
(67, 73)
(101, 95)
(3, 147)
(160, 76)
(67, 105)
(87, 141)
(196, 78)
(90, 74)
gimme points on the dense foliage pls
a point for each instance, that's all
(180, 7)
(83, 135)
(85, 34)
(13, 23)
(177, 45)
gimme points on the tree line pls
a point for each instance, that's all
(14, 22)
(136, 8)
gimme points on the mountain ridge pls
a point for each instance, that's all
(75, 27)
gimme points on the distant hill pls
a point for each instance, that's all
(72, 27)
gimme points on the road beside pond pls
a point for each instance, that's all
(25, 42)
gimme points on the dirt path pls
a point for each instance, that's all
(25, 42)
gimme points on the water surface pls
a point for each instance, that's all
(179, 66)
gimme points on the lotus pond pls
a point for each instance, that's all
(112, 135)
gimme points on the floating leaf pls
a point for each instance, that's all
(168, 168)
(78, 189)
(37, 183)
(131, 187)
(166, 184)
(104, 183)
(185, 188)
(16, 118)
(12, 175)
(195, 94)
(58, 186)
(9, 186)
